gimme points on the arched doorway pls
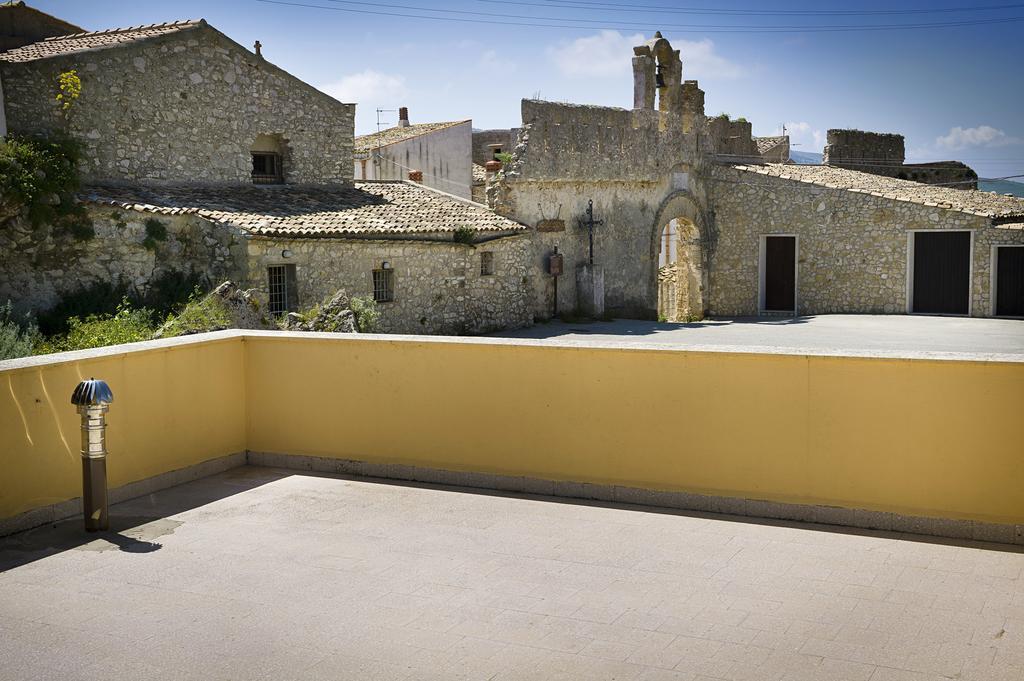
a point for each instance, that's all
(679, 253)
(680, 280)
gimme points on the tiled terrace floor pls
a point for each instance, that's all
(266, 574)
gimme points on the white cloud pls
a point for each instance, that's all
(981, 136)
(491, 61)
(804, 135)
(367, 86)
(610, 53)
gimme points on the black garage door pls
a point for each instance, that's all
(1010, 281)
(780, 273)
(942, 271)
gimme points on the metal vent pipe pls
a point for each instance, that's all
(93, 398)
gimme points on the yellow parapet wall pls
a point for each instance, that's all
(174, 406)
(920, 437)
(917, 437)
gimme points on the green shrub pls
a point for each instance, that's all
(17, 339)
(464, 235)
(156, 232)
(504, 157)
(127, 325)
(39, 178)
(367, 314)
(199, 315)
(172, 290)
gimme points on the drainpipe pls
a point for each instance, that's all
(93, 398)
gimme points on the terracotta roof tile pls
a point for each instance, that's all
(369, 208)
(79, 42)
(400, 134)
(986, 204)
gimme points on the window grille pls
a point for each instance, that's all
(266, 168)
(486, 263)
(383, 286)
(282, 289)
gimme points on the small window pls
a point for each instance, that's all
(486, 264)
(266, 168)
(497, 150)
(282, 288)
(383, 286)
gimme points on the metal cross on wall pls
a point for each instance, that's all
(590, 223)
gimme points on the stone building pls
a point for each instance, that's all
(692, 221)
(773, 149)
(435, 153)
(199, 157)
(22, 25)
(884, 154)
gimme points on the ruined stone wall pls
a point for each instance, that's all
(438, 286)
(183, 107)
(852, 247)
(631, 164)
(41, 265)
(482, 139)
(733, 139)
(853, 147)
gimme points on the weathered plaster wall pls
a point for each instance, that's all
(852, 247)
(183, 107)
(40, 265)
(638, 167)
(438, 285)
(443, 156)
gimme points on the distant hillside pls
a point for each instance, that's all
(1002, 187)
(805, 157)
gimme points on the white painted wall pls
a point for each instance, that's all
(444, 156)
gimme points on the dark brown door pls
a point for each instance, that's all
(942, 272)
(780, 273)
(1010, 281)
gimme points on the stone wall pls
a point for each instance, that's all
(42, 265)
(733, 139)
(852, 247)
(639, 167)
(186, 106)
(22, 25)
(438, 286)
(850, 147)
(483, 139)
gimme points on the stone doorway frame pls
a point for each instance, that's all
(680, 204)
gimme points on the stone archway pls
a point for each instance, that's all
(678, 250)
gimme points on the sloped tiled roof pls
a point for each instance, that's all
(766, 143)
(369, 208)
(399, 134)
(79, 42)
(985, 204)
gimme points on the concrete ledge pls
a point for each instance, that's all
(52, 513)
(755, 508)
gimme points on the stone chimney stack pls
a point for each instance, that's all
(403, 117)
(257, 47)
(416, 175)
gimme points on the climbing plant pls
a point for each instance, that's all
(38, 178)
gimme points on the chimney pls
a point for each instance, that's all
(492, 167)
(257, 47)
(403, 117)
(416, 175)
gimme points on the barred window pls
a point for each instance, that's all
(383, 285)
(266, 168)
(486, 263)
(282, 289)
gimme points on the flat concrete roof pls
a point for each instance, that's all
(876, 335)
(267, 574)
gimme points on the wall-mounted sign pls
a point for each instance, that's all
(551, 226)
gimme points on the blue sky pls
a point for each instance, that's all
(955, 92)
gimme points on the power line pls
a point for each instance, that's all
(417, 8)
(574, 24)
(619, 7)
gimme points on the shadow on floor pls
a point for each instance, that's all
(635, 327)
(134, 524)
